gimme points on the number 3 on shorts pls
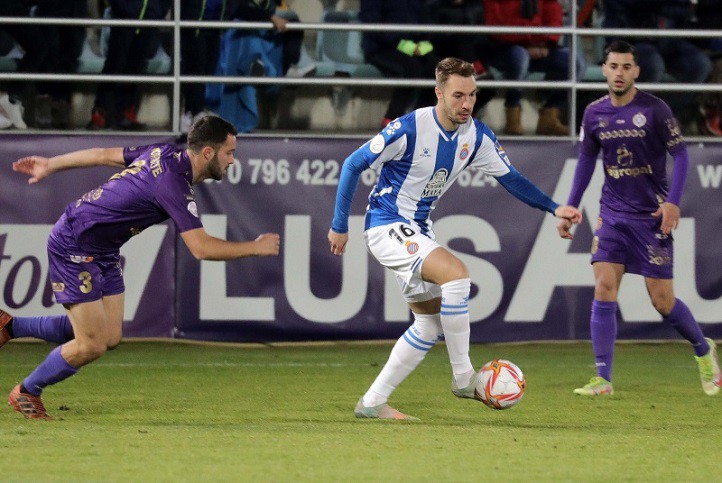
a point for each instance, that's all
(87, 285)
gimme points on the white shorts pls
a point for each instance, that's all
(402, 249)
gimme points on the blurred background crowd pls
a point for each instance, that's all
(281, 51)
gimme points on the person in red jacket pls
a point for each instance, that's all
(518, 54)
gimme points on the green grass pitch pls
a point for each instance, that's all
(181, 412)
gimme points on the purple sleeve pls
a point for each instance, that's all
(174, 195)
(131, 154)
(588, 143)
(582, 175)
(679, 176)
(671, 134)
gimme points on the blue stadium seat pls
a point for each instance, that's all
(340, 51)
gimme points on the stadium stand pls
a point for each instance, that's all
(317, 107)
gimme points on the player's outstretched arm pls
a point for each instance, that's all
(206, 247)
(39, 167)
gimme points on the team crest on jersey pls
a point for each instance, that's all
(464, 152)
(58, 286)
(639, 120)
(603, 122)
(436, 185)
(377, 144)
(193, 208)
(412, 247)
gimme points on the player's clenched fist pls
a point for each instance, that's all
(268, 244)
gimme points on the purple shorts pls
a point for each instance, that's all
(78, 277)
(638, 244)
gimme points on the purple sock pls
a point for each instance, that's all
(53, 328)
(52, 370)
(682, 319)
(604, 334)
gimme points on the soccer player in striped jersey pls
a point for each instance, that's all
(638, 211)
(421, 154)
(84, 245)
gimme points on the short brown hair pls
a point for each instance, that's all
(621, 47)
(209, 131)
(452, 66)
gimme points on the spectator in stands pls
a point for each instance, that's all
(278, 13)
(129, 48)
(471, 48)
(518, 54)
(200, 49)
(256, 53)
(407, 55)
(36, 50)
(65, 44)
(679, 57)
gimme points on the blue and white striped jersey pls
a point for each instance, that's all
(419, 161)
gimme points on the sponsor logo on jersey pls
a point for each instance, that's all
(425, 153)
(617, 173)
(377, 144)
(193, 208)
(412, 247)
(595, 245)
(624, 156)
(622, 133)
(393, 127)
(639, 120)
(464, 152)
(436, 185)
(80, 259)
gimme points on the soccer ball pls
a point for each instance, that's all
(500, 384)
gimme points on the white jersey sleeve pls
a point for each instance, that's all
(490, 157)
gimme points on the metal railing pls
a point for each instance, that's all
(175, 79)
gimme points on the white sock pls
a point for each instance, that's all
(407, 354)
(455, 322)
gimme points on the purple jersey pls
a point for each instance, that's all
(634, 140)
(155, 186)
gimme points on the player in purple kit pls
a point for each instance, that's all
(83, 247)
(638, 212)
